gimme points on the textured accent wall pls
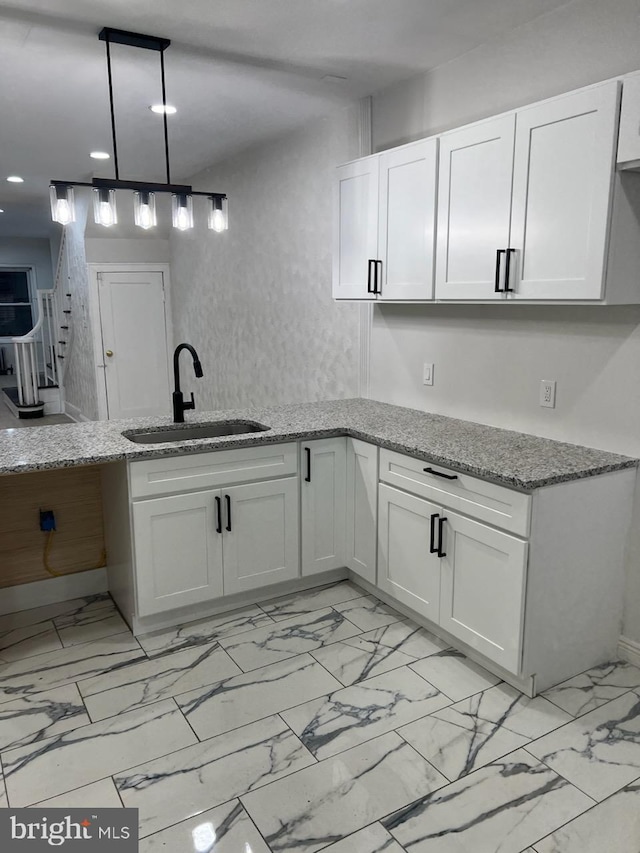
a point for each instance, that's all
(79, 379)
(256, 301)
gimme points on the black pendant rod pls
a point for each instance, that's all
(164, 116)
(113, 114)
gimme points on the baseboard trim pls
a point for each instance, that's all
(74, 412)
(50, 591)
(629, 650)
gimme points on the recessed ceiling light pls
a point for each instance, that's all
(163, 108)
(1, 210)
(100, 155)
(15, 179)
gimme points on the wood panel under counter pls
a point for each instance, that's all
(78, 545)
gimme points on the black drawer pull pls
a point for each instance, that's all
(507, 271)
(307, 451)
(432, 541)
(228, 500)
(441, 522)
(377, 281)
(499, 252)
(218, 515)
(370, 288)
(440, 474)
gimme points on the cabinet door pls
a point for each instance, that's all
(355, 223)
(629, 135)
(483, 588)
(563, 175)
(406, 230)
(178, 552)
(474, 208)
(362, 508)
(323, 504)
(406, 568)
(261, 546)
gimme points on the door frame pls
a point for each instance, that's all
(96, 326)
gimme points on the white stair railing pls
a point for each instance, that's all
(36, 354)
(25, 353)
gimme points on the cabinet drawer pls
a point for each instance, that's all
(477, 498)
(190, 472)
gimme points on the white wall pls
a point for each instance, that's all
(256, 300)
(489, 360)
(126, 250)
(28, 251)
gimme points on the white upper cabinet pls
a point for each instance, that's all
(474, 208)
(629, 135)
(525, 200)
(355, 224)
(406, 223)
(384, 225)
(562, 182)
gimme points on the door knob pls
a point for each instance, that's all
(109, 353)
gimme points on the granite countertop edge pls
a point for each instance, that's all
(518, 460)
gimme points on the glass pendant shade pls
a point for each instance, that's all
(104, 207)
(182, 211)
(63, 209)
(218, 214)
(144, 209)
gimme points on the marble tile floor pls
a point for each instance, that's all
(323, 720)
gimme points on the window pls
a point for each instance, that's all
(15, 303)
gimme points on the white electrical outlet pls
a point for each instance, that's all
(548, 393)
(427, 374)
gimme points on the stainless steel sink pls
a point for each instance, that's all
(188, 431)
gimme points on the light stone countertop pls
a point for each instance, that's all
(514, 459)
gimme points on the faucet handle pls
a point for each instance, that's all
(190, 405)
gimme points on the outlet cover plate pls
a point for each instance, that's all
(548, 393)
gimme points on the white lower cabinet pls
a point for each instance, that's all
(323, 485)
(195, 547)
(407, 569)
(178, 553)
(260, 534)
(482, 592)
(361, 552)
(463, 575)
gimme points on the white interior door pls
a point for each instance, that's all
(355, 237)
(406, 230)
(563, 174)
(134, 343)
(474, 208)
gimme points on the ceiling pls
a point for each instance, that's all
(238, 71)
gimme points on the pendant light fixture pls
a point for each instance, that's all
(144, 192)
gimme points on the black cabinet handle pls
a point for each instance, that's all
(218, 515)
(499, 252)
(228, 500)
(432, 542)
(371, 270)
(507, 269)
(441, 522)
(307, 451)
(376, 282)
(440, 474)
